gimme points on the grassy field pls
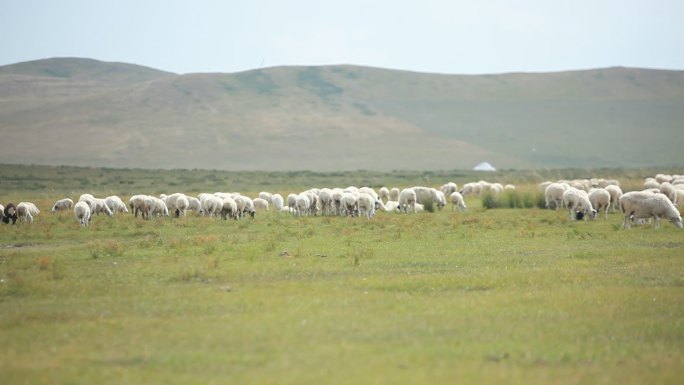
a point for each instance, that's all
(484, 296)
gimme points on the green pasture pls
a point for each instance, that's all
(514, 296)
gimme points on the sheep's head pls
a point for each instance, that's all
(677, 222)
(592, 214)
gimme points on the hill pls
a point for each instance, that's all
(90, 113)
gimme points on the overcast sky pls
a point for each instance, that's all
(457, 37)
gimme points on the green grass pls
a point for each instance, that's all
(484, 296)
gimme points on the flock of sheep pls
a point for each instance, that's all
(660, 199)
(586, 197)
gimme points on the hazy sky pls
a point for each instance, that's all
(460, 37)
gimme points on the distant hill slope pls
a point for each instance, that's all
(91, 113)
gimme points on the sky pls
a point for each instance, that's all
(454, 37)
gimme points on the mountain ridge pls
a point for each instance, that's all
(337, 117)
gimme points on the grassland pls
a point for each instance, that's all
(516, 296)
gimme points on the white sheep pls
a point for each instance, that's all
(267, 196)
(155, 206)
(292, 203)
(427, 194)
(391, 206)
(211, 204)
(407, 200)
(615, 193)
(554, 195)
(26, 211)
(182, 205)
(137, 205)
(600, 200)
(449, 188)
(668, 189)
(82, 213)
(457, 201)
(349, 203)
(62, 205)
(644, 205)
(325, 199)
(115, 204)
(366, 204)
(260, 204)
(194, 204)
(394, 194)
(229, 208)
(384, 193)
(277, 201)
(576, 200)
(302, 204)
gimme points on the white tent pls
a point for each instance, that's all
(484, 166)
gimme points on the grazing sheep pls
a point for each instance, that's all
(267, 196)
(292, 203)
(350, 204)
(615, 193)
(182, 206)
(449, 188)
(457, 201)
(137, 205)
(407, 200)
(668, 189)
(277, 201)
(62, 205)
(115, 204)
(260, 204)
(577, 200)
(302, 204)
(391, 206)
(394, 194)
(10, 213)
(229, 208)
(211, 205)
(644, 205)
(428, 194)
(366, 204)
(82, 213)
(325, 198)
(554, 195)
(384, 193)
(155, 206)
(195, 205)
(600, 200)
(26, 211)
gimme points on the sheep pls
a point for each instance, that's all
(82, 213)
(407, 200)
(457, 201)
(62, 205)
(26, 211)
(10, 213)
(137, 205)
(260, 204)
(267, 196)
(337, 201)
(350, 203)
(325, 198)
(194, 204)
(615, 193)
(427, 194)
(384, 193)
(394, 194)
(471, 188)
(2, 211)
(155, 206)
(391, 206)
(97, 205)
(668, 189)
(554, 195)
(577, 200)
(229, 208)
(643, 205)
(449, 188)
(651, 183)
(115, 204)
(600, 199)
(509, 187)
(211, 205)
(182, 205)
(366, 204)
(277, 201)
(302, 204)
(292, 203)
